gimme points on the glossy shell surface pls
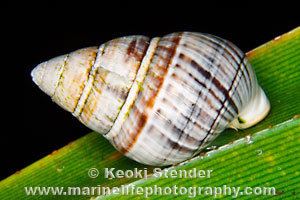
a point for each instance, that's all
(159, 101)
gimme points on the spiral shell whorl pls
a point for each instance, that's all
(111, 81)
(188, 97)
(158, 101)
(64, 77)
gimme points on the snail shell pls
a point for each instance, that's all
(158, 101)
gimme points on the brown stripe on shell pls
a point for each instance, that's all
(131, 47)
(212, 134)
(176, 146)
(209, 39)
(123, 55)
(155, 75)
(137, 49)
(223, 105)
(208, 75)
(88, 87)
(246, 76)
(177, 130)
(109, 81)
(208, 101)
(238, 53)
(188, 139)
(219, 85)
(190, 75)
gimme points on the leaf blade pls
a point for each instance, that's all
(277, 67)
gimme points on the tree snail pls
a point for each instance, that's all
(159, 101)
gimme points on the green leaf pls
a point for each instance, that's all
(271, 159)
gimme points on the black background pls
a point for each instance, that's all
(33, 126)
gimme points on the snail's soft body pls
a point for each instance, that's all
(158, 101)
